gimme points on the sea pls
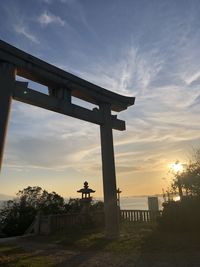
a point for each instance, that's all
(129, 203)
(136, 202)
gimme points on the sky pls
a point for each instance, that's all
(143, 48)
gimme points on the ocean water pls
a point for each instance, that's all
(137, 203)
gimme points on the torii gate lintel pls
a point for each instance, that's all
(62, 86)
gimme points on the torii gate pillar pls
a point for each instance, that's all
(7, 82)
(109, 177)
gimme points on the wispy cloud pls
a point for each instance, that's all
(25, 32)
(62, 1)
(47, 18)
(19, 23)
(46, 1)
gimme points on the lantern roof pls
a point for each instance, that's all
(86, 189)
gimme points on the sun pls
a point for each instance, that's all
(176, 167)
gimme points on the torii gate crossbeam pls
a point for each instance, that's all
(62, 86)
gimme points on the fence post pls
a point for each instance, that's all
(140, 214)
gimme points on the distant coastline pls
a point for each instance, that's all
(136, 202)
(4, 197)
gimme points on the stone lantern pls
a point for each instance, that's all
(86, 198)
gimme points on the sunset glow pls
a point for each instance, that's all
(176, 167)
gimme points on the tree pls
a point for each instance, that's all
(31, 195)
(18, 214)
(51, 203)
(16, 217)
(73, 205)
(189, 179)
(184, 215)
(97, 205)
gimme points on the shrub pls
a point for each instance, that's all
(181, 215)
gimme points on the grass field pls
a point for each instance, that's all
(15, 256)
(140, 245)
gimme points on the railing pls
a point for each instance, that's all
(140, 215)
(53, 223)
(59, 222)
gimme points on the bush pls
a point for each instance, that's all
(18, 214)
(181, 215)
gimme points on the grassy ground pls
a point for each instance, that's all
(131, 239)
(75, 247)
(15, 256)
(140, 245)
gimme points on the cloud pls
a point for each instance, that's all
(31, 152)
(126, 169)
(130, 74)
(196, 102)
(25, 32)
(46, 1)
(18, 20)
(38, 133)
(62, 1)
(47, 18)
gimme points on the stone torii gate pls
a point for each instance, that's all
(61, 87)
